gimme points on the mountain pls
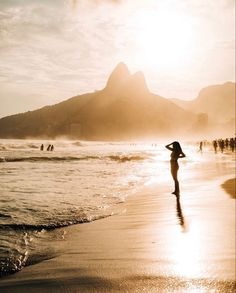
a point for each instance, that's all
(124, 109)
(215, 108)
(217, 101)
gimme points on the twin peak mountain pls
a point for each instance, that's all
(125, 109)
(122, 82)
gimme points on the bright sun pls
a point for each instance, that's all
(164, 39)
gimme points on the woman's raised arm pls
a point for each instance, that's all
(168, 146)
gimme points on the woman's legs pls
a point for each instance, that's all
(174, 173)
(176, 187)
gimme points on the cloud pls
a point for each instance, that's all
(47, 51)
(62, 48)
(76, 2)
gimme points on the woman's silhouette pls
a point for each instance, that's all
(175, 155)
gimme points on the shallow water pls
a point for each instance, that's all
(43, 190)
(77, 182)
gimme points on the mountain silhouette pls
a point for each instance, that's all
(123, 109)
(118, 77)
(217, 102)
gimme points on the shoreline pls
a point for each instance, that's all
(156, 244)
(229, 187)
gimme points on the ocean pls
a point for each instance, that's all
(78, 182)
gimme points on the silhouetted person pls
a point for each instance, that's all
(231, 144)
(42, 146)
(49, 147)
(215, 145)
(176, 153)
(200, 146)
(222, 145)
(52, 148)
(226, 143)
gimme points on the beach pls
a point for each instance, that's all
(117, 146)
(155, 243)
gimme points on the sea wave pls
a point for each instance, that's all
(19, 242)
(48, 226)
(35, 145)
(47, 159)
(77, 143)
(57, 224)
(123, 159)
(5, 215)
(12, 146)
(118, 158)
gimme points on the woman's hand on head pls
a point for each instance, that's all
(168, 146)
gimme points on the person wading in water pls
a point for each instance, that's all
(176, 153)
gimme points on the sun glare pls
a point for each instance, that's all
(164, 39)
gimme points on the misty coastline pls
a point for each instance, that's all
(126, 110)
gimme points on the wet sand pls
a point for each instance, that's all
(229, 186)
(155, 244)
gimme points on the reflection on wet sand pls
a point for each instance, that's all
(180, 214)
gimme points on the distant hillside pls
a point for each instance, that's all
(217, 101)
(124, 109)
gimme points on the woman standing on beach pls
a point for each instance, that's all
(175, 155)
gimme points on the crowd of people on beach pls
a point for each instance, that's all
(49, 148)
(220, 144)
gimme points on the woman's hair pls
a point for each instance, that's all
(177, 147)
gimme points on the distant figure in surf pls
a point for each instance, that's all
(200, 146)
(42, 146)
(176, 153)
(221, 144)
(231, 144)
(226, 143)
(215, 145)
(52, 148)
(49, 147)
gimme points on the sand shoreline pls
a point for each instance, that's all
(135, 251)
(229, 187)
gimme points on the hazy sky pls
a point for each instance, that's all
(51, 50)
